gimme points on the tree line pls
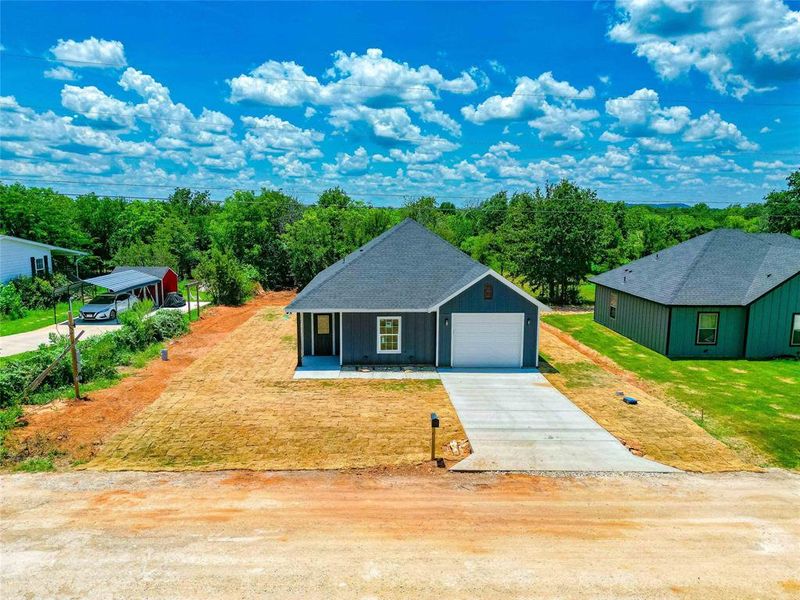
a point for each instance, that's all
(550, 239)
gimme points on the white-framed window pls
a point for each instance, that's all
(794, 339)
(389, 335)
(612, 305)
(40, 266)
(707, 327)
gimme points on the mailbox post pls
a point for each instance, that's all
(434, 427)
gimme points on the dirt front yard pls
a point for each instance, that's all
(236, 407)
(412, 535)
(76, 430)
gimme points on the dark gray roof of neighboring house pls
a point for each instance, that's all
(725, 267)
(154, 271)
(405, 268)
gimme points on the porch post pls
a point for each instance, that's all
(299, 339)
(341, 321)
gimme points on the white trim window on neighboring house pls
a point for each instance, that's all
(389, 335)
(794, 338)
(707, 328)
(612, 305)
(39, 262)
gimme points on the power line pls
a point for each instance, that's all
(417, 87)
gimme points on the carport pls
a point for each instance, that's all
(129, 281)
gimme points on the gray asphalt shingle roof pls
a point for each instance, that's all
(405, 268)
(725, 267)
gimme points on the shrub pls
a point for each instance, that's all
(136, 332)
(225, 278)
(11, 302)
(36, 464)
(35, 292)
(168, 324)
(16, 374)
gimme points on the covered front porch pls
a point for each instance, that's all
(327, 367)
(319, 336)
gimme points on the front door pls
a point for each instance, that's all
(323, 334)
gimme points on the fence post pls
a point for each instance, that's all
(73, 352)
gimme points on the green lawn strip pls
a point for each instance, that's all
(36, 319)
(755, 401)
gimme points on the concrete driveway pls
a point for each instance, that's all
(516, 421)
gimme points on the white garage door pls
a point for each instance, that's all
(487, 339)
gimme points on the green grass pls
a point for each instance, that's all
(586, 292)
(36, 465)
(36, 319)
(754, 401)
(204, 295)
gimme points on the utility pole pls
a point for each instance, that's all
(73, 350)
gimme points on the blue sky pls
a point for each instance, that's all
(667, 100)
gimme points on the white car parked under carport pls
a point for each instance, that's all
(107, 306)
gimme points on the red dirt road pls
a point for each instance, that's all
(412, 534)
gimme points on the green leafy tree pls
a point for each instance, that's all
(492, 212)
(423, 211)
(334, 198)
(557, 243)
(447, 208)
(40, 214)
(250, 226)
(782, 208)
(99, 217)
(225, 278)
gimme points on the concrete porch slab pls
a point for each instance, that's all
(327, 367)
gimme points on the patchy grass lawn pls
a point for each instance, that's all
(37, 318)
(757, 402)
(237, 407)
(586, 292)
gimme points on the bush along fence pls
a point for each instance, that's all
(100, 358)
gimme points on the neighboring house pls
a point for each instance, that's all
(168, 277)
(409, 297)
(724, 294)
(26, 258)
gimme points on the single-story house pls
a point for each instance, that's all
(408, 297)
(25, 258)
(724, 294)
(168, 277)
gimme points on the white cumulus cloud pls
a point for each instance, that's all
(547, 104)
(640, 115)
(90, 53)
(742, 47)
(61, 73)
